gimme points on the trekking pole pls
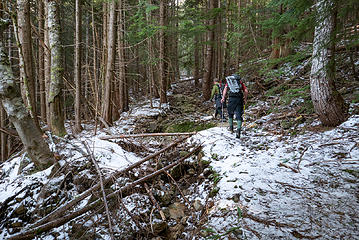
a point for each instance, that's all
(222, 117)
(244, 115)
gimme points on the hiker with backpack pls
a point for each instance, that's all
(217, 92)
(237, 98)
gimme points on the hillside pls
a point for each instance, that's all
(288, 177)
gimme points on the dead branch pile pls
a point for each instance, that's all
(107, 191)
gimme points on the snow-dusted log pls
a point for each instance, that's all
(328, 103)
(13, 104)
(147, 135)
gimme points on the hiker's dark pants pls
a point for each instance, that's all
(219, 108)
(235, 107)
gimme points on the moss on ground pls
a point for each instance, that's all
(188, 126)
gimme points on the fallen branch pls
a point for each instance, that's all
(186, 80)
(146, 135)
(301, 157)
(70, 205)
(268, 222)
(330, 161)
(92, 157)
(280, 117)
(179, 189)
(107, 126)
(155, 203)
(8, 131)
(291, 168)
(60, 221)
(133, 217)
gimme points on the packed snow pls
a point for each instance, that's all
(317, 196)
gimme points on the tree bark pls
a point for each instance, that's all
(95, 84)
(78, 56)
(123, 86)
(109, 75)
(328, 103)
(30, 135)
(275, 53)
(227, 46)
(207, 77)
(47, 61)
(25, 41)
(56, 83)
(41, 64)
(196, 61)
(162, 50)
(3, 136)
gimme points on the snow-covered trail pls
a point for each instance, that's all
(321, 200)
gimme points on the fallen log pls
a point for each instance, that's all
(147, 135)
(62, 220)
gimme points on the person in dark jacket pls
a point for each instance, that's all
(237, 97)
(217, 91)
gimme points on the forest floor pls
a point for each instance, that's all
(288, 177)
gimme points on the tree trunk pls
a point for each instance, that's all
(30, 135)
(149, 65)
(3, 136)
(227, 46)
(109, 76)
(78, 56)
(285, 48)
(95, 84)
(219, 40)
(207, 78)
(162, 50)
(328, 103)
(122, 60)
(47, 61)
(196, 61)
(275, 49)
(25, 41)
(41, 64)
(56, 83)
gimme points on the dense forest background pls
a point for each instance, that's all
(106, 126)
(77, 61)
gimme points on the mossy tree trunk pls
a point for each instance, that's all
(13, 104)
(55, 101)
(328, 103)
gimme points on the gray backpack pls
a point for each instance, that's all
(234, 85)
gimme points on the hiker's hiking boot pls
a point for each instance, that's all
(231, 129)
(238, 133)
